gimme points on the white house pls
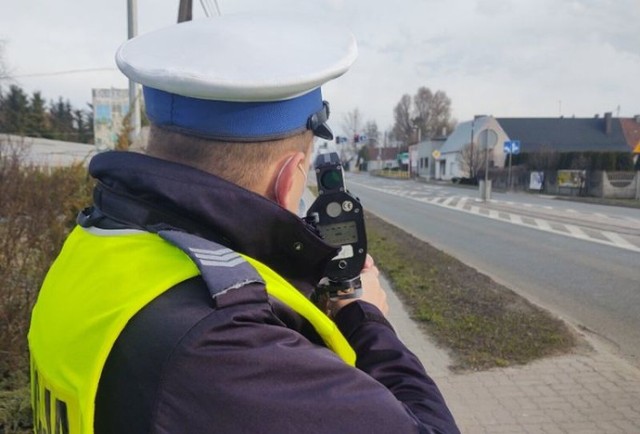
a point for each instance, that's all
(425, 159)
(449, 164)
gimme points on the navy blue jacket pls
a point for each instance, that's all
(244, 363)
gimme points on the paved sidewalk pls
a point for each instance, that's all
(591, 391)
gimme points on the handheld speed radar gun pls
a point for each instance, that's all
(338, 217)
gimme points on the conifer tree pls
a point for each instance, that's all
(14, 107)
(37, 117)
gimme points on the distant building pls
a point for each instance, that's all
(565, 135)
(110, 106)
(631, 129)
(427, 157)
(450, 163)
(383, 158)
(536, 135)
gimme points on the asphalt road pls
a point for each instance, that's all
(592, 285)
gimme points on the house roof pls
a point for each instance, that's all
(566, 134)
(631, 129)
(461, 135)
(429, 145)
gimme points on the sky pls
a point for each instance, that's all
(506, 58)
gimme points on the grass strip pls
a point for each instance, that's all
(626, 203)
(484, 324)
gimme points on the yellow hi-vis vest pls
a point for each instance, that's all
(100, 280)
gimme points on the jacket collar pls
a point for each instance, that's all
(154, 194)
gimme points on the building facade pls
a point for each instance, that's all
(110, 106)
(463, 149)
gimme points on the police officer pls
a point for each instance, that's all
(181, 301)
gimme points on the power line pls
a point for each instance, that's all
(67, 72)
(208, 6)
(217, 7)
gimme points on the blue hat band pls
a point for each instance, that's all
(232, 121)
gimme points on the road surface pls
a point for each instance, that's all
(580, 261)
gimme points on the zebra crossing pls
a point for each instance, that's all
(504, 211)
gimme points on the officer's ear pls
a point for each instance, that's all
(290, 181)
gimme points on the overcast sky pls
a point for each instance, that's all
(501, 57)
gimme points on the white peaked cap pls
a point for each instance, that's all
(246, 60)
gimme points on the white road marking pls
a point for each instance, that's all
(544, 225)
(448, 200)
(515, 218)
(577, 232)
(618, 240)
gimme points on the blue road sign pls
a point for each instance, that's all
(512, 147)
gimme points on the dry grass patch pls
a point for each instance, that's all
(38, 206)
(485, 324)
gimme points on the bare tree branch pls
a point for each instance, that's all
(471, 159)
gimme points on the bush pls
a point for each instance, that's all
(38, 207)
(464, 181)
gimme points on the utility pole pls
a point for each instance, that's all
(486, 195)
(472, 171)
(488, 139)
(185, 11)
(134, 100)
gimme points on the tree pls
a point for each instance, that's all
(62, 125)
(4, 70)
(432, 113)
(372, 133)
(545, 159)
(351, 125)
(83, 124)
(471, 159)
(423, 107)
(37, 118)
(14, 107)
(428, 112)
(440, 123)
(124, 137)
(403, 130)
(89, 112)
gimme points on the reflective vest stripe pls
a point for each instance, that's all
(279, 288)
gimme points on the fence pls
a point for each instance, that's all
(390, 173)
(615, 185)
(618, 185)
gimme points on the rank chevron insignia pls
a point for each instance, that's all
(217, 258)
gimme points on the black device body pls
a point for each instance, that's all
(338, 217)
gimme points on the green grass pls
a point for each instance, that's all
(484, 324)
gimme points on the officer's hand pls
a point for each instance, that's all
(372, 291)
